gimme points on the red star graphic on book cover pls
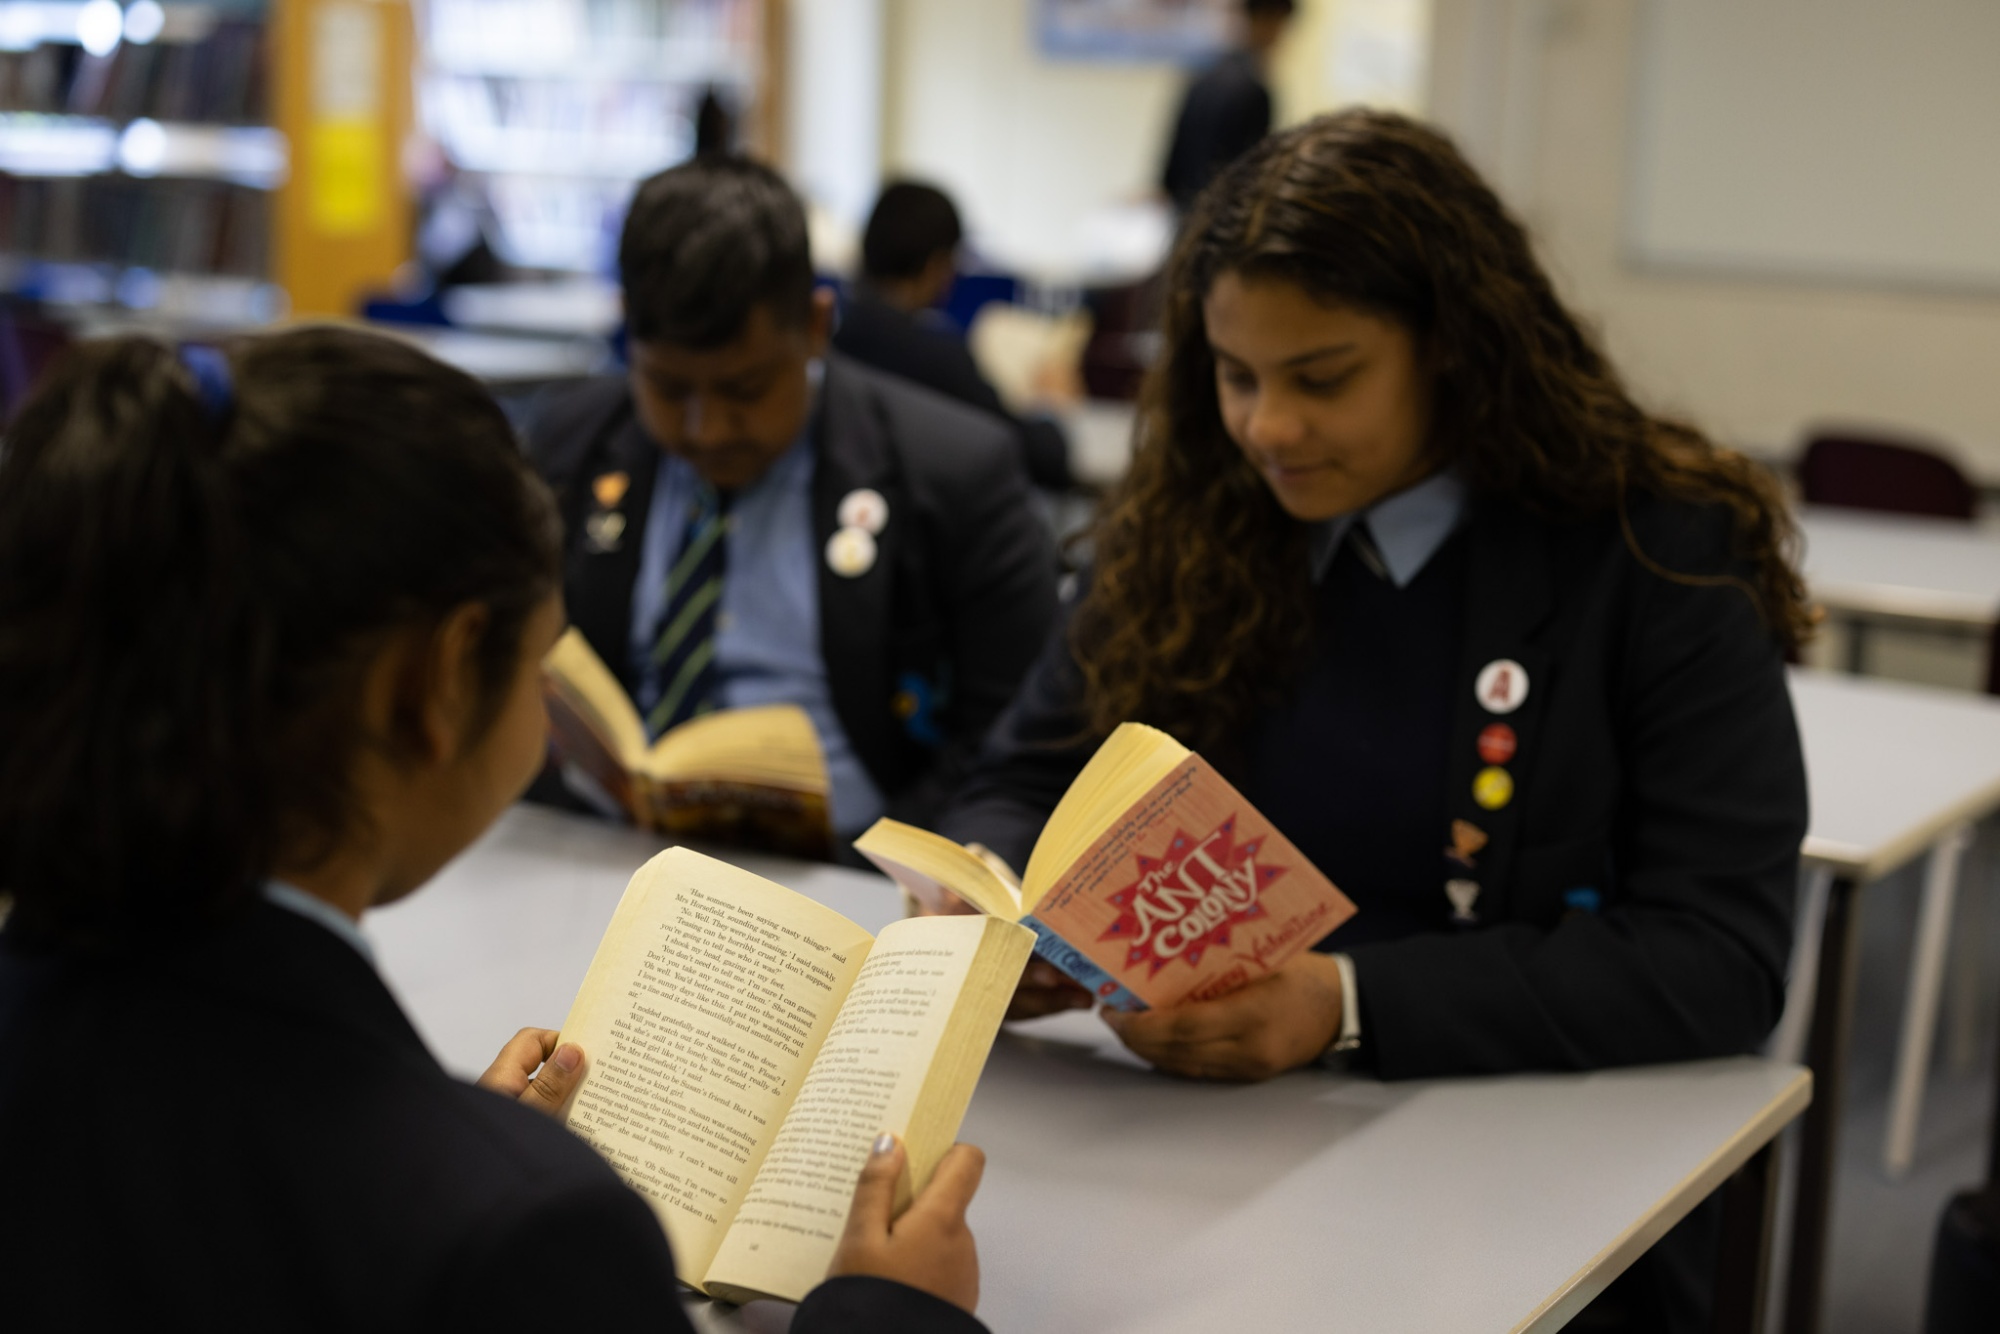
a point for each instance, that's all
(1190, 898)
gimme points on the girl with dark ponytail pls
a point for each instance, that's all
(271, 619)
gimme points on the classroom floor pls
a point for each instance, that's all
(1883, 1230)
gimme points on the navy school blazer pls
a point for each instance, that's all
(924, 650)
(241, 1130)
(1636, 891)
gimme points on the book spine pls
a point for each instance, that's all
(1109, 992)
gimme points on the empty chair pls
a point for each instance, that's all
(1878, 474)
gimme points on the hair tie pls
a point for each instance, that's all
(213, 387)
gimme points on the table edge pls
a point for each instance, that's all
(1591, 1280)
(1849, 859)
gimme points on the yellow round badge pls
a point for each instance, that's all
(1493, 787)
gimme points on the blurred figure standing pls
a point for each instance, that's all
(1227, 107)
(891, 321)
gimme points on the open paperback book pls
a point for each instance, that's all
(1153, 882)
(752, 777)
(746, 1045)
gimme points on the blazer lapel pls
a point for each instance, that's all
(853, 451)
(1501, 695)
(606, 542)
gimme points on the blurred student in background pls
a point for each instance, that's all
(750, 520)
(1227, 107)
(275, 624)
(1502, 653)
(891, 321)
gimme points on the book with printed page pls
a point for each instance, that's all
(744, 1045)
(1154, 881)
(750, 777)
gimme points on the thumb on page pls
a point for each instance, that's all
(558, 1078)
(875, 1193)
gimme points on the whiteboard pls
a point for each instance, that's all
(1856, 141)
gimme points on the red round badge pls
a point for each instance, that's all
(1496, 743)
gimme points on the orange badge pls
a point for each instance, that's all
(610, 489)
(1467, 839)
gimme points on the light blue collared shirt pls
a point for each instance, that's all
(294, 899)
(1407, 528)
(767, 645)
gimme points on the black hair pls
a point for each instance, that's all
(1271, 8)
(912, 224)
(192, 577)
(706, 243)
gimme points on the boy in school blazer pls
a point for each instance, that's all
(932, 576)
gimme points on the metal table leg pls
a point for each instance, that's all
(1920, 1005)
(1826, 1053)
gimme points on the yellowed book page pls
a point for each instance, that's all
(935, 870)
(901, 1023)
(709, 996)
(772, 743)
(1125, 767)
(589, 688)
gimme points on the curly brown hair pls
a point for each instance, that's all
(1199, 572)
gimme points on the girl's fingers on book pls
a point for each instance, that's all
(532, 1069)
(516, 1064)
(1276, 1023)
(952, 1186)
(557, 1081)
(929, 1247)
(875, 1192)
(1045, 989)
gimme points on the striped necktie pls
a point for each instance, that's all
(683, 659)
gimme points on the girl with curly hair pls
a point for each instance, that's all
(1499, 650)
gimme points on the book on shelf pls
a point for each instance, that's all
(172, 225)
(753, 777)
(1153, 882)
(221, 78)
(745, 1045)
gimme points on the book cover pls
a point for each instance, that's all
(1192, 894)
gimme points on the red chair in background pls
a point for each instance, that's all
(1896, 477)
(1889, 477)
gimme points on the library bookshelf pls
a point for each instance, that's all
(553, 110)
(216, 163)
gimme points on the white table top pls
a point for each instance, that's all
(1116, 1199)
(586, 307)
(1891, 766)
(1902, 565)
(501, 359)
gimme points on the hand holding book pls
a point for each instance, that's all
(1276, 1023)
(1153, 884)
(1044, 989)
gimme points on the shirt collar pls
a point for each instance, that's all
(1408, 527)
(293, 899)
